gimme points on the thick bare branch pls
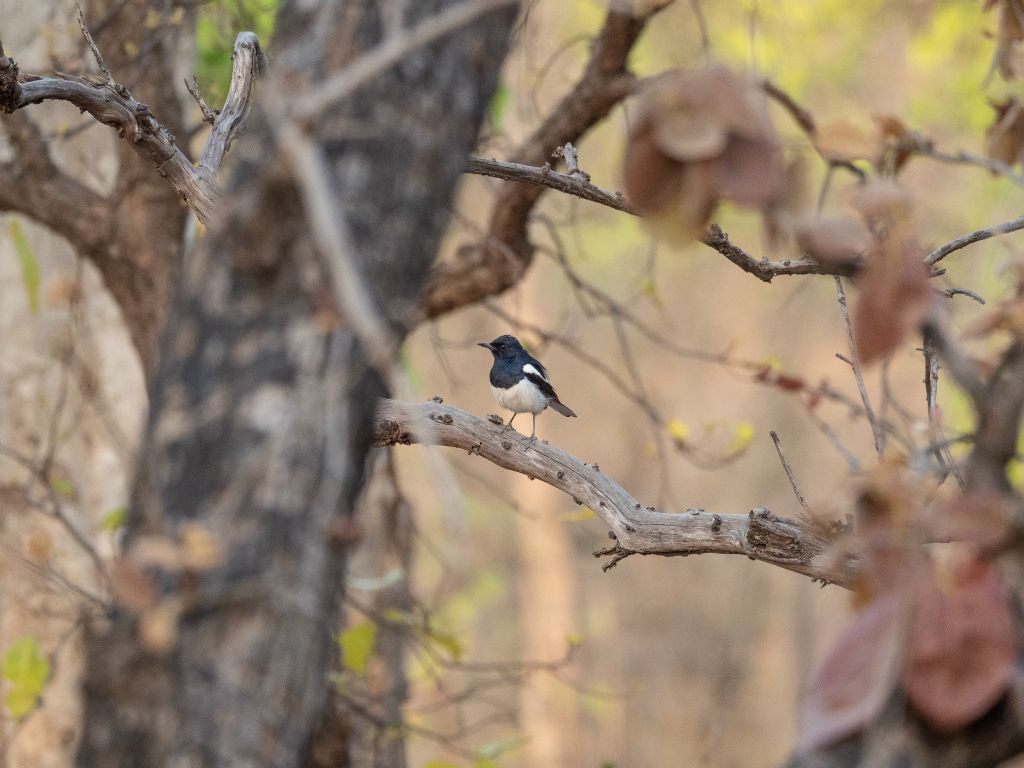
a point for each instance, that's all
(112, 104)
(759, 534)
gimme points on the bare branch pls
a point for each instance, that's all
(92, 45)
(931, 390)
(964, 371)
(759, 535)
(493, 266)
(578, 186)
(334, 241)
(546, 176)
(209, 115)
(876, 429)
(789, 472)
(112, 104)
(973, 237)
(248, 64)
(391, 51)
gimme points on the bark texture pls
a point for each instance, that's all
(262, 407)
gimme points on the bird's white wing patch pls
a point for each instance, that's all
(530, 368)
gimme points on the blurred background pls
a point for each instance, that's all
(533, 655)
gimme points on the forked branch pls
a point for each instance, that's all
(113, 104)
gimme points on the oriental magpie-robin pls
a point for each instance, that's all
(520, 383)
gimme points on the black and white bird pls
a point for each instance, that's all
(520, 383)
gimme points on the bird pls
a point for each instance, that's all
(520, 383)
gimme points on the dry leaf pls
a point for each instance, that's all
(894, 290)
(700, 136)
(962, 647)
(857, 677)
(1004, 139)
(832, 241)
(843, 141)
(131, 585)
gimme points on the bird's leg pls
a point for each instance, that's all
(533, 432)
(509, 425)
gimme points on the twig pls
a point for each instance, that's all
(209, 115)
(869, 412)
(973, 237)
(546, 176)
(931, 392)
(391, 51)
(964, 370)
(92, 45)
(967, 158)
(951, 292)
(789, 472)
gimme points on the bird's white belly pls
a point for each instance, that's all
(524, 397)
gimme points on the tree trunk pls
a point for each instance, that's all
(262, 407)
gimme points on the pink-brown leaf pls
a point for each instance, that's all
(962, 647)
(857, 677)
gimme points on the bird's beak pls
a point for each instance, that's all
(484, 344)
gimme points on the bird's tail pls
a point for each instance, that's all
(563, 409)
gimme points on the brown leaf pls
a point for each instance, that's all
(132, 587)
(962, 647)
(857, 677)
(750, 172)
(843, 141)
(832, 241)
(1009, 32)
(1004, 139)
(652, 179)
(700, 136)
(894, 295)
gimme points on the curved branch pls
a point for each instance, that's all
(759, 534)
(493, 266)
(973, 237)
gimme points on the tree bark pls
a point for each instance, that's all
(262, 407)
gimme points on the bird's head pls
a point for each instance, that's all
(504, 346)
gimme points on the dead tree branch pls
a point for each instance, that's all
(491, 267)
(759, 534)
(112, 104)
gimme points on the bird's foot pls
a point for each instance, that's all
(529, 443)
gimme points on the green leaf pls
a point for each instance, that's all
(62, 486)
(114, 519)
(27, 670)
(357, 646)
(499, 104)
(446, 640)
(492, 750)
(440, 764)
(30, 273)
